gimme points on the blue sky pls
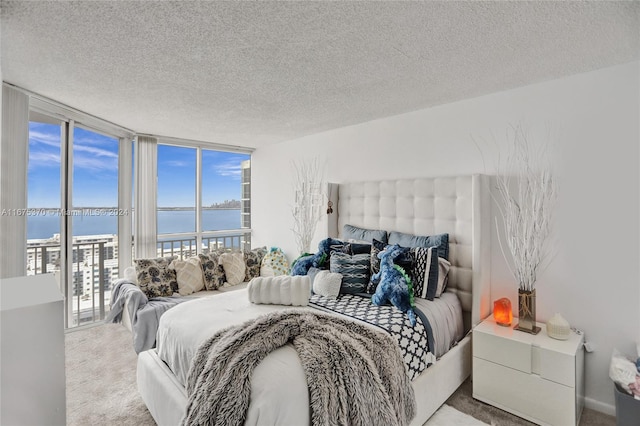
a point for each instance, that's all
(177, 179)
(95, 178)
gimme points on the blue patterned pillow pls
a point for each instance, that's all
(354, 270)
(424, 271)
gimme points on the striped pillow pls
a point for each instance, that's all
(354, 270)
(424, 271)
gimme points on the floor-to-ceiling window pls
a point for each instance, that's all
(176, 209)
(94, 201)
(80, 192)
(43, 194)
(203, 200)
(74, 211)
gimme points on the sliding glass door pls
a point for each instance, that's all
(94, 224)
(73, 213)
(43, 195)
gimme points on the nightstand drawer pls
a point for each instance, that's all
(508, 352)
(526, 395)
(555, 366)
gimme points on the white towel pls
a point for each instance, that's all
(280, 290)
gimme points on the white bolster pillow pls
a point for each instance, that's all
(280, 290)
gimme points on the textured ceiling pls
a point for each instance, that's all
(245, 73)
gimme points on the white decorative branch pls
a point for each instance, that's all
(309, 196)
(528, 191)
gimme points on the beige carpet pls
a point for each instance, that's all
(102, 390)
(101, 378)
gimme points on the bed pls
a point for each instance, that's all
(456, 205)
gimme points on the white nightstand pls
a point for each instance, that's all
(532, 376)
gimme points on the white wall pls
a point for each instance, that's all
(594, 279)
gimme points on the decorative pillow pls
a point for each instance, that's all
(404, 261)
(253, 261)
(327, 284)
(274, 263)
(234, 268)
(441, 241)
(189, 275)
(350, 232)
(155, 277)
(359, 248)
(424, 273)
(212, 270)
(352, 248)
(354, 270)
(443, 275)
(312, 275)
(342, 248)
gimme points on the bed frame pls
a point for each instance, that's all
(424, 206)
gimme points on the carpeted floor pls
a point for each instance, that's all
(101, 378)
(462, 400)
(102, 390)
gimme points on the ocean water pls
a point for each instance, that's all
(169, 221)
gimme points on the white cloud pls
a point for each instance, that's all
(231, 168)
(44, 159)
(48, 139)
(95, 163)
(99, 152)
(44, 151)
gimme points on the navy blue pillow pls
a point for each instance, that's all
(350, 232)
(441, 241)
(424, 272)
(354, 270)
(358, 248)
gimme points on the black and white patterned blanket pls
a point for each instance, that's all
(413, 341)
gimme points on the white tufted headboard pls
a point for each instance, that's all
(458, 206)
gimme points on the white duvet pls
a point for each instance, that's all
(279, 392)
(278, 381)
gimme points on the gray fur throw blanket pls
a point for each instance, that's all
(355, 374)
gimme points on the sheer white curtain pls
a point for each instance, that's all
(145, 197)
(14, 154)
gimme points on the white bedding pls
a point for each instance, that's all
(183, 328)
(458, 205)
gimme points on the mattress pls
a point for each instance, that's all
(185, 327)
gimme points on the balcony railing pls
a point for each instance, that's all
(184, 247)
(95, 265)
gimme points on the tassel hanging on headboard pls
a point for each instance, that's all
(329, 202)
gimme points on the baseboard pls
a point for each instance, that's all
(602, 407)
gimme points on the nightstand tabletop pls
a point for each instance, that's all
(569, 346)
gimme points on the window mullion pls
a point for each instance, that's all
(198, 200)
(66, 238)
